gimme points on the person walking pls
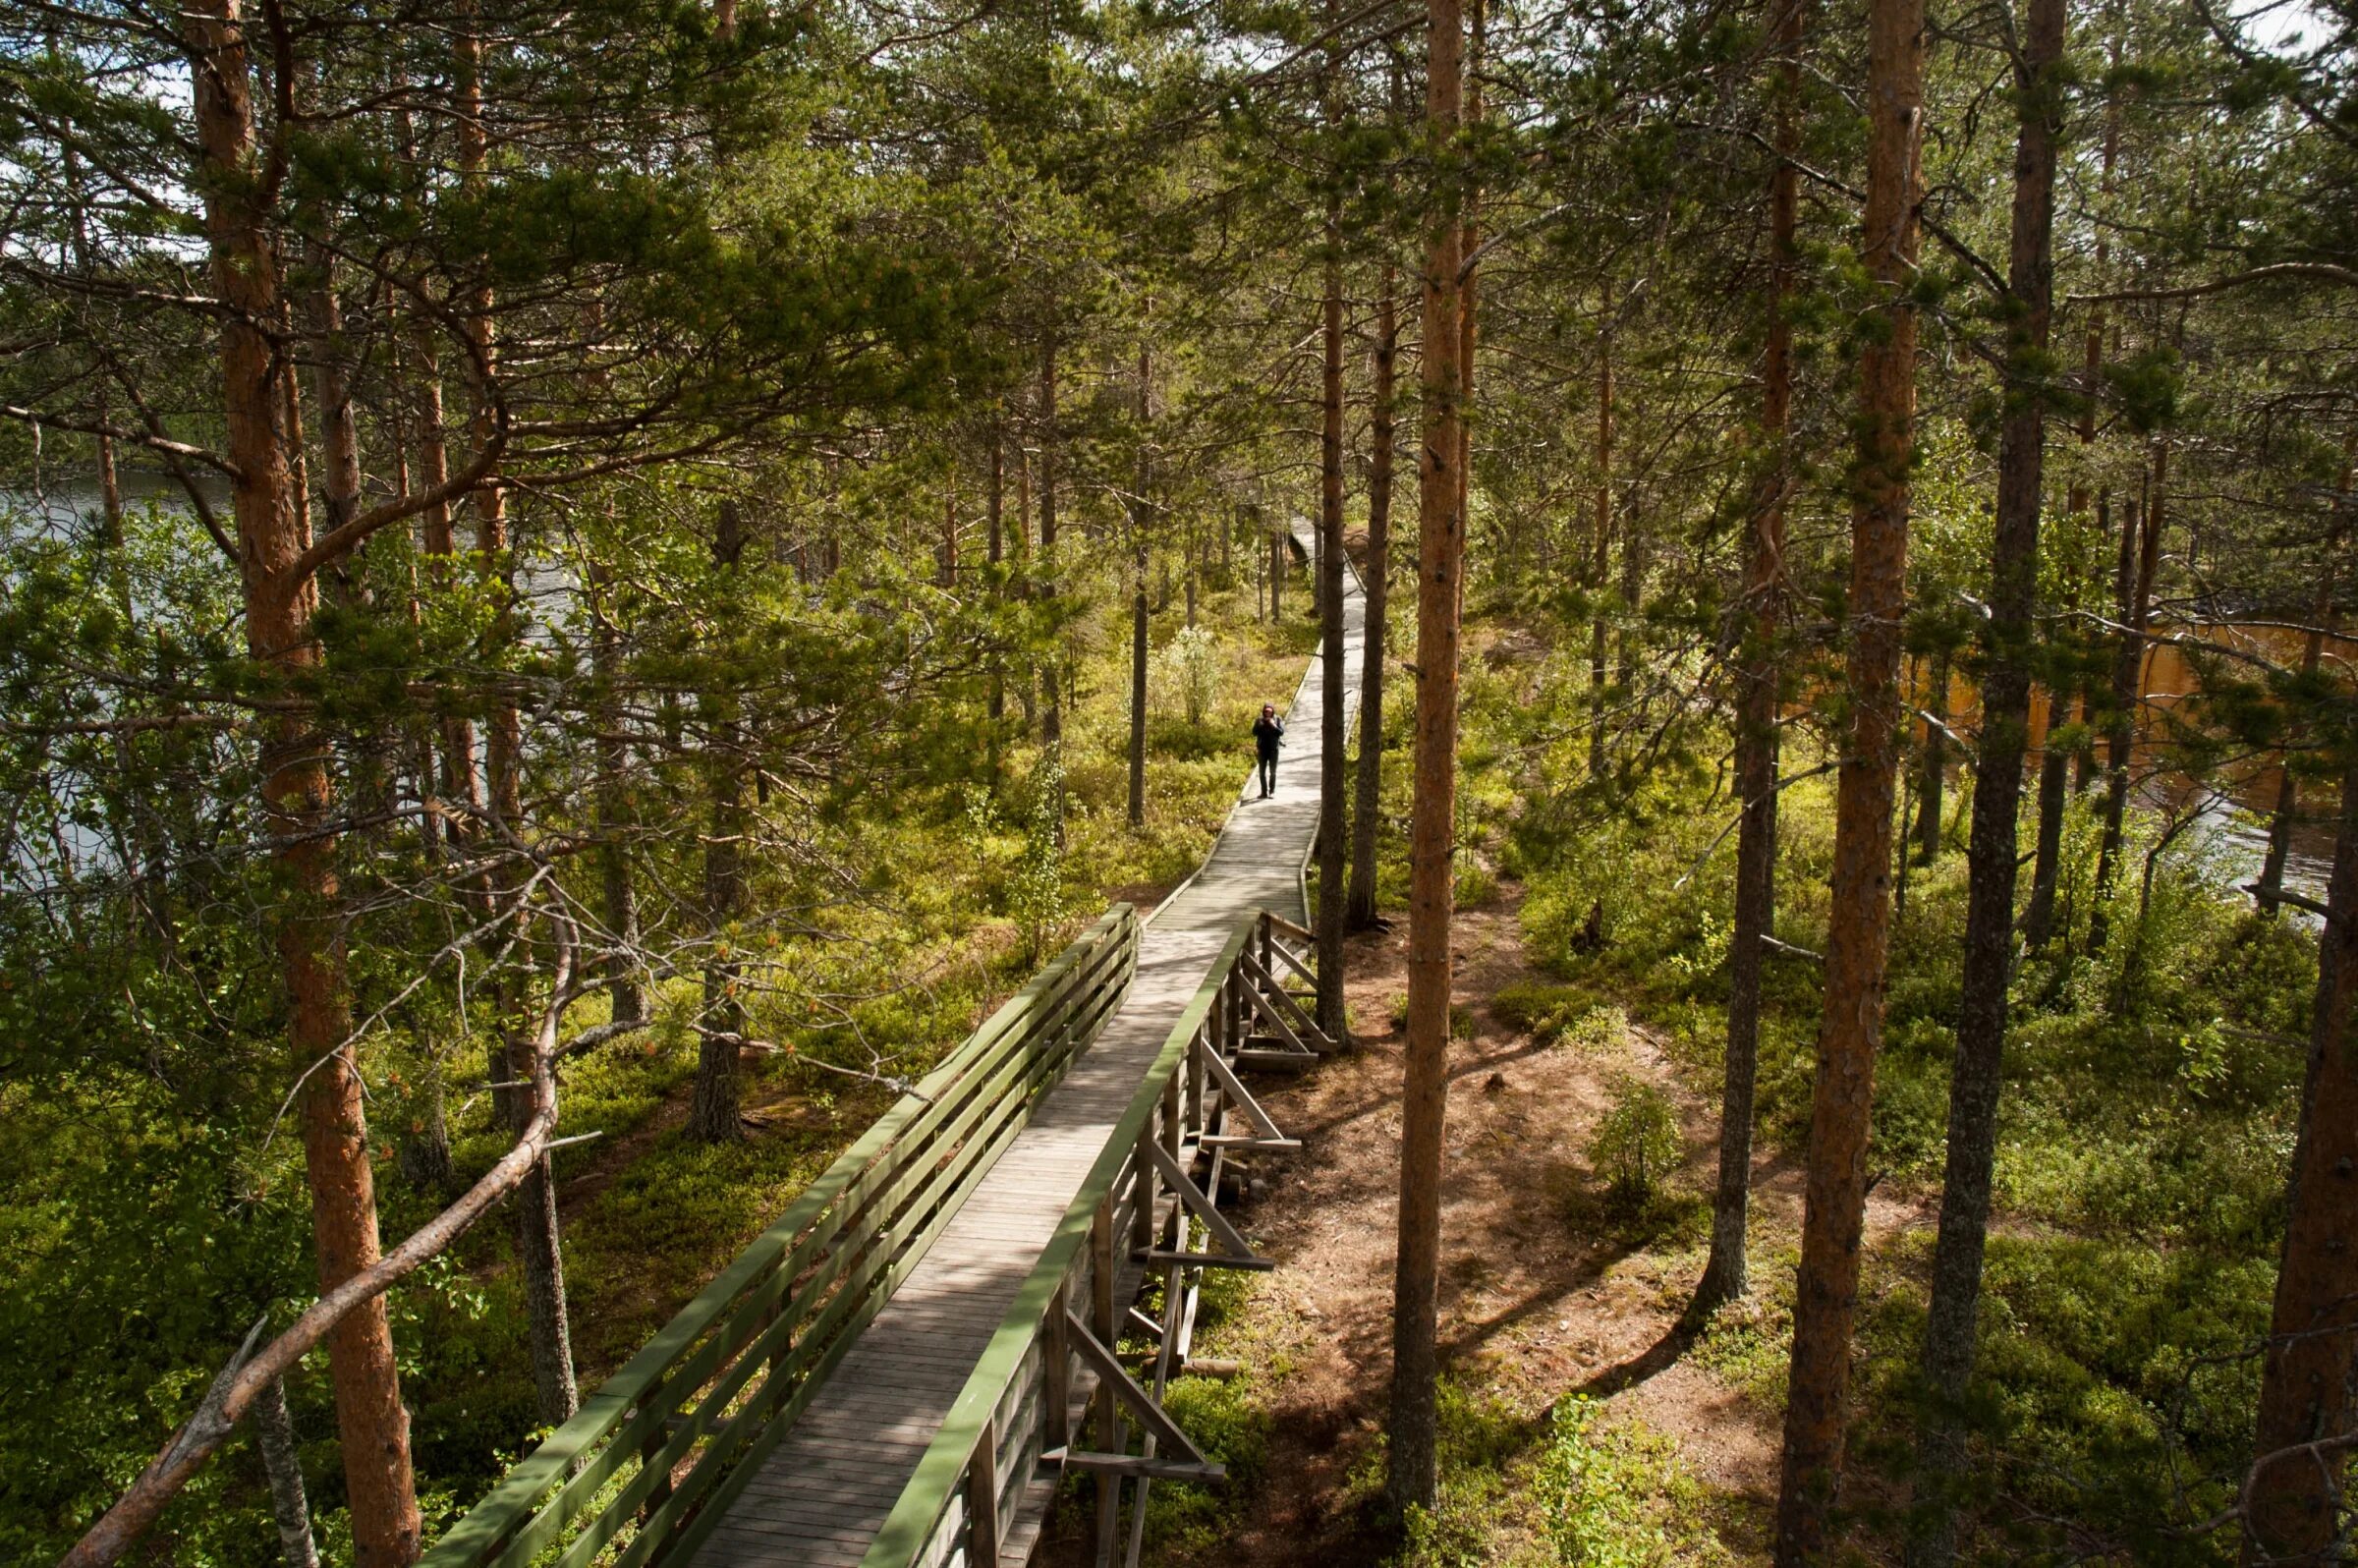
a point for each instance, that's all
(1269, 735)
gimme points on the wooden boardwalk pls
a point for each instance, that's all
(820, 1496)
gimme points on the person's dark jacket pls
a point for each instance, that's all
(1267, 735)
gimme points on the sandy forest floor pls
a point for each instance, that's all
(1545, 1293)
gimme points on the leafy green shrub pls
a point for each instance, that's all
(1185, 672)
(1638, 1139)
(1036, 885)
(1476, 886)
(1461, 1017)
(1538, 1008)
(1616, 1496)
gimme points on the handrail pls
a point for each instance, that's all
(725, 1378)
(967, 1432)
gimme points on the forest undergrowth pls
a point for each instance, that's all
(961, 896)
(2150, 1097)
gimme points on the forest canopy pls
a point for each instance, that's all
(584, 588)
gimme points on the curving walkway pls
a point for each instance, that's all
(819, 1500)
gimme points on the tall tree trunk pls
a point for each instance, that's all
(2055, 762)
(1469, 287)
(2270, 890)
(290, 1509)
(536, 1213)
(1028, 688)
(1139, 564)
(1141, 521)
(949, 534)
(297, 795)
(1277, 568)
(2128, 671)
(1333, 780)
(994, 517)
(1412, 1454)
(1725, 1275)
(1826, 1303)
(1191, 546)
(1359, 913)
(713, 1116)
(2308, 1379)
(1936, 758)
(1051, 713)
(459, 785)
(548, 1329)
(616, 817)
(2007, 638)
(1601, 546)
(2054, 788)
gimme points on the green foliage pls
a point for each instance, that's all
(1614, 1495)
(1186, 671)
(1636, 1140)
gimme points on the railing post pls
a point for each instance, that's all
(1239, 1017)
(1108, 1431)
(1142, 1191)
(1056, 1374)
(1172, 1133)
(982, 1499)
(1216, 1030)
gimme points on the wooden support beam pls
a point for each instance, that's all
(1275, 995)
(1277, 1021)
(1115, 1380)
(1278, 1061)
(1132, 1465)
(1241, 1099)
(1279, 950)
(1203, 1209)
(982, 1499)
(1205, 1260)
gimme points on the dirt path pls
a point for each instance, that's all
(1541, 1293)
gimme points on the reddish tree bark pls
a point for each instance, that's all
(1359, 913)
(1826, 1304)
(1412, 1455)
(2309, 1380)
(1333, 781)
(298, 794)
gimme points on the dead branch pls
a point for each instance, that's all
(241, 1381)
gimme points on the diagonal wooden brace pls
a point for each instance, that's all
(1126, 1390)
(1277, 995)
(1202, 1206)
(1280, 950)
(1276, 1020)
(1132, 1465)
(1241, 1099)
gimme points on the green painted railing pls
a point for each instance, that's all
(1015, 1403)
(643, 1473)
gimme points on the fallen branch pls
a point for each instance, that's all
(2285, 896)
(2313, 271)
(248, 1374)
(1782, 784)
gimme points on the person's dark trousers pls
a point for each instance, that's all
(1269, 774)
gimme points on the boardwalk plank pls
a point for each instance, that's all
(819, 1496)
